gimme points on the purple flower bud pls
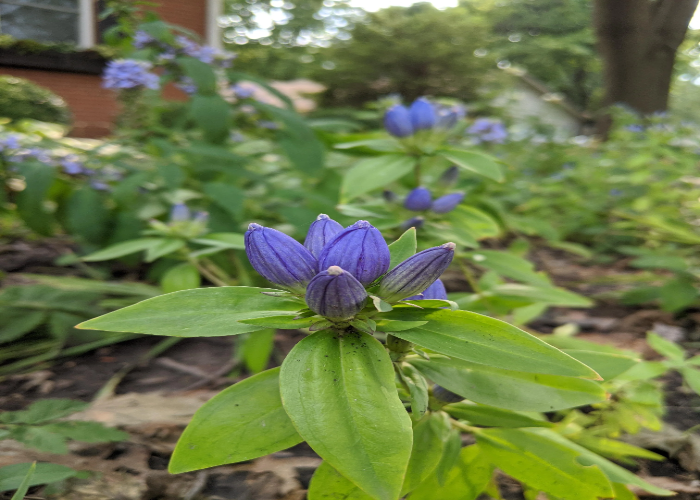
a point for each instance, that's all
(279, 258)
(436, 291)
(389, 196)
(442, 394)
(447, 203)
(416, 222)
(416, 273)
(360, 250)
(322, 230)
(179, 213)
(419, 199)
(201, 218)
(335, 294)
(422, 114)
(397, 121)
(448, 116)
(449, 176)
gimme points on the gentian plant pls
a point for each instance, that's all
(358, 389)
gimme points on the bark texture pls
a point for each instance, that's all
(638, 40)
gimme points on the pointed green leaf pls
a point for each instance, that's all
(12, 476)
(24, 486)
(242, 422)
(403, 248)
(374, 173)
(519, 391)
(665, 347)
(605, 364)
(328, 484)
(203, 312)
(184, 276)
(481, 339)
(478, 163)
(543, 464)
(429, 436)
(417, 388)
(122, 249)
(339, 391)
(164, 246)
(490, 416)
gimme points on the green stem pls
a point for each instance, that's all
(205, 272)
(398, 348)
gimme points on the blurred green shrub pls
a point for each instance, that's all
(20, 99)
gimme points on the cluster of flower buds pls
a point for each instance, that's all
(129, 74)
(488, 130)
(402, 122)
(183, 46)
(335, 266)
(420, 199)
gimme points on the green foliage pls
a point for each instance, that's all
(14, 477)
(21, 99)
(412, 51)
(40, 427)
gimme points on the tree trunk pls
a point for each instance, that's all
(638, 40)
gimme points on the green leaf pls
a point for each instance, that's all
(164, 246)
(547, 294)
(677, 294)
(613, 471)
(340, 393)
(605, 364)
(511, 390)
(87, 216)
(181, 277)
(242, 422)
(670, 262)
(692, 378)
(281, 322)
(429, 436)
(665, 347)
(403, 248)
(387, 325)
(43, 410)
(203, 312)
(211, 113)
(30, 201)
(469, 223)
(256, 350)
(380, 145)
(40, 438)
(328, 484)
(481, 339)
(228, 197)
(87, 432)
(202, 74)
(374, 173)
(490, 416)
(122, 249)
(465, 481)
(543, 464)
(224, 240)
(380, 305)
(450, 456)
(474, 162)
(12, 476)
(617, 450)
(19, 321)
(417, 388)
(86, 285)
(510, 265)
(24, 486)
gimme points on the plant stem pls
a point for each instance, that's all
(206, 273)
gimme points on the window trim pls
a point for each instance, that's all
(85, 37)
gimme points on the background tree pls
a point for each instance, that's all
(412, 51)
(638, 41)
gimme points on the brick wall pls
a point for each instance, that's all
(93, 107)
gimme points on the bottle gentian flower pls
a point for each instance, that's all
(129, 74)
(415, 274)
(397, 121)
(488, 130)
(447, 203)
(418, 200)
(449, 176)
(360, 250)
(436, 291)
(335, 294)
(442, 394)
(279, 258)
(180, 213)
(416, 222)
(448, 116)
(422, 114)
(322, 230)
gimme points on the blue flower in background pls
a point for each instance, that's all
(10, 141)
(634, 128)
(187, 85)
(397, 121)
(71, 165)
(447, 203)
(242, 92)
(142, 40)
(615, 192)
(488, 130)
(418, 200)
(179, 213)
(422, 114)
(129, 74)
(448, 116)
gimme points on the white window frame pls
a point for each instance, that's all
(212, 28)
(86, 18)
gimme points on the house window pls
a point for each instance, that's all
(69, 21)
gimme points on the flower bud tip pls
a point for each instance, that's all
(335, 271)
(322, 217)
(362, 224)
(450, 246)
(253, 226)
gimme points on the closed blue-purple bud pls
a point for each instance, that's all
(442, 394)
(448, 116)
(279, 258)
(360, 250)
(447, 203)
(418, 200)
(416, 273)
(179, 213)
(335, 294)
(322, 230)
(397, 121)
(436, 291)
(416, 222)
(389, 196)
(422, 114)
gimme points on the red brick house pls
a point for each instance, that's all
(76, 77)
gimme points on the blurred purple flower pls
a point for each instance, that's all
(129, 74)
(142, 40)
(488, 130)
